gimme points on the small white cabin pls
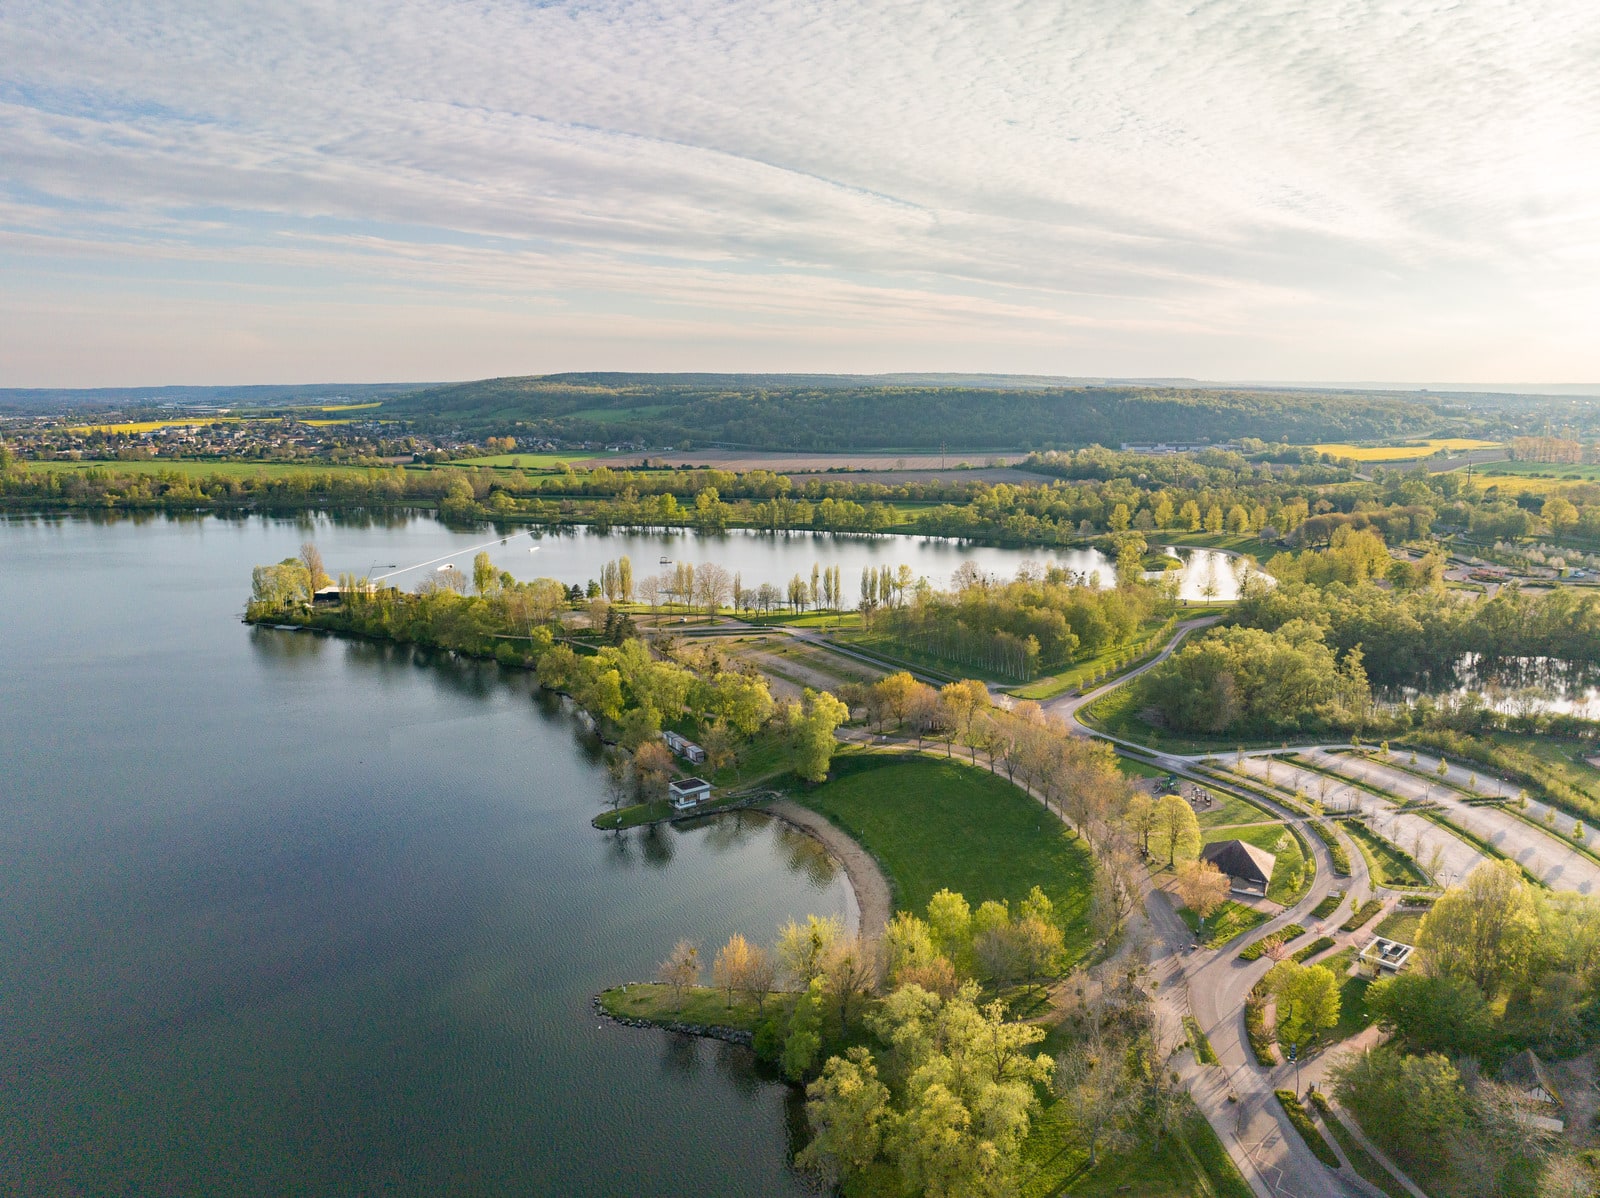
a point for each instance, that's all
(688, 792)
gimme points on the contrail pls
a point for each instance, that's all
(445, 558)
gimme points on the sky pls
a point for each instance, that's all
(342, 190)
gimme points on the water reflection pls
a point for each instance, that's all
(1524, 687)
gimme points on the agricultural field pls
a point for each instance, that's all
(205, 467)
(530, 461)
(1404, 452)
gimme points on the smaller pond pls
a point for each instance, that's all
(1517, 686)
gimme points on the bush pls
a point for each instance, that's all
(1203, 1052)
(1363, 915)
(1255, 1026)
(1301, 1118)
(1256, 949)
(1341, 859)
(1318, 945)
(1328, 905)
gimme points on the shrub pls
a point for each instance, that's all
(1301, 1118)
(1316, 946)
(1255, 950)
(1328, 905)
(1341, 859)
(1363, 915)
(1203, 1052)
(1255, 1026)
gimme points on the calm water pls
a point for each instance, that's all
(408, 548)
(290, 916)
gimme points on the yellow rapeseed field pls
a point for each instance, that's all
(143, 426)
(1402, 453)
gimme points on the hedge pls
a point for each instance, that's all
(1255, 1026)
(1256, 949)
(1363, 915)
(1318, 945)
(1301, 1118)
(1328, 905)
(1341, 859)
(1203, 1052)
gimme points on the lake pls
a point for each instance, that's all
(287, 915)
(403, 551)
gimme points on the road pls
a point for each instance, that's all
(1068, 706)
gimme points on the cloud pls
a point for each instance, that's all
(1124, 186)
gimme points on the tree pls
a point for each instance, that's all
(680, 970)
(850, 967)
(1115, 892)
(1432, 1013)
(847, 1109)
(896, 691)
(1174, 832)
(1482, 930)
(485, 578)
(1202, 887)
(1099, 1090)
(1410, 1104)
(729, 972)
(803, 948)
(810, 725)
(1308, 1000)
(713, 586)
(652, 770)
(625, 578)
(965, 700)
(950, 923)
(804, 1041)
(311, 558)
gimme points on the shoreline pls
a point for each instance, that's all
(874, 901)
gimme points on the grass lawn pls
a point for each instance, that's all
(1227, 921)
(896, 653)
(1401, 925)
(811, 619)
(1363, 1161)
(1189, 1163)
(1139, 769)
(701, 1004)
(1353, 1016)
(934, 824)
(1118, 713)
(1229, 809)
(1388, 865)
(1564, 757)
(1289, 873)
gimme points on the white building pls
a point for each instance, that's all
(688, 792)
(684, 748)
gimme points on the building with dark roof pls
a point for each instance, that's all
(1247, 867)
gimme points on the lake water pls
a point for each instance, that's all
(400, 549)
(1519, 686)
(285, 915)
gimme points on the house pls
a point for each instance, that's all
(684, 748)
(688, 792)
(1526, 1073)
(1247, 867)
(1387, 954)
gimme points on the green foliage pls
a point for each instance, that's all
(1327, 906)
(1307, 1000)
(1362, 915)
(1245, 680)
(1409, 1105)
(1300, 1118)
(1391, 866)
(780, 412)
(936, 824)
(803, 1040)
(1320, 945)
(1262, 1046)
(1336, 850)
(1432, 1013)
(1257, 948)
(1201, 1043)
(1174, 832)
(809, 733)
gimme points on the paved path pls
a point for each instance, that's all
(1068, 706)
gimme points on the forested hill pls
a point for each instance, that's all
(819, 412)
